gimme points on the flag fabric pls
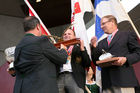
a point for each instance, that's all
(42, 29)
(82, 18)
(79, 8)
(108, 7)
(33, 13)
(103, 8)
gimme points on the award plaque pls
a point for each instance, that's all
(106, 62)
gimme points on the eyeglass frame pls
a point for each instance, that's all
(105, 22)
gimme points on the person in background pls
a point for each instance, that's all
(35, 61)
(72, 75)
(120, 77)
(91, 86)
(9, 55)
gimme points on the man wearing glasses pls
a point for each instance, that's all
(120, 76)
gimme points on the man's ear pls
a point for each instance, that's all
(38, 27)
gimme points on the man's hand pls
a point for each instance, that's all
(82, 45)
(120, 61)
(93, 41)
(63, 47)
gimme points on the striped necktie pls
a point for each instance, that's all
(109, 38)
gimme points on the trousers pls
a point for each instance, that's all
(67, 84)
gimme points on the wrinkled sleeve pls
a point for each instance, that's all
(52, 53)
(134, 49)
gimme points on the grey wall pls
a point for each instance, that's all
(11, 32)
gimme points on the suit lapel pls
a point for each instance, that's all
(105, 44)
(115, 38)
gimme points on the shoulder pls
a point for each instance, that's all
(124, 32)
(27, 40)
(39, 39)
(76, 47)
(128, 33)
(45, 39)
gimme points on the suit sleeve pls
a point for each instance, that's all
(95, 53)
(52, 53)
(85, 58)
(134, 49)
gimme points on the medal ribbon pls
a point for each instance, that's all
(69, 51)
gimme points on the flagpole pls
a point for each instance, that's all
(135, 29)
(93, 10)
(36, 15)
(98, 72)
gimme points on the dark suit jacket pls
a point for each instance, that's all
(78, 67)
(35, 63)
(124, 44)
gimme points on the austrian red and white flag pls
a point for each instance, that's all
(78, 8)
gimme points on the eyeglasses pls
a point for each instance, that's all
(105, 22)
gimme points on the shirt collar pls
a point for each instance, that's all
(114, 32)
(29, 34)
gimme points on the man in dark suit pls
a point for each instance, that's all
(35, 61)
(71, 77)
(120, 77)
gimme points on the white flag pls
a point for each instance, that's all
(79, 7)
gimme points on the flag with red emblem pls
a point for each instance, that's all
(79, 8)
